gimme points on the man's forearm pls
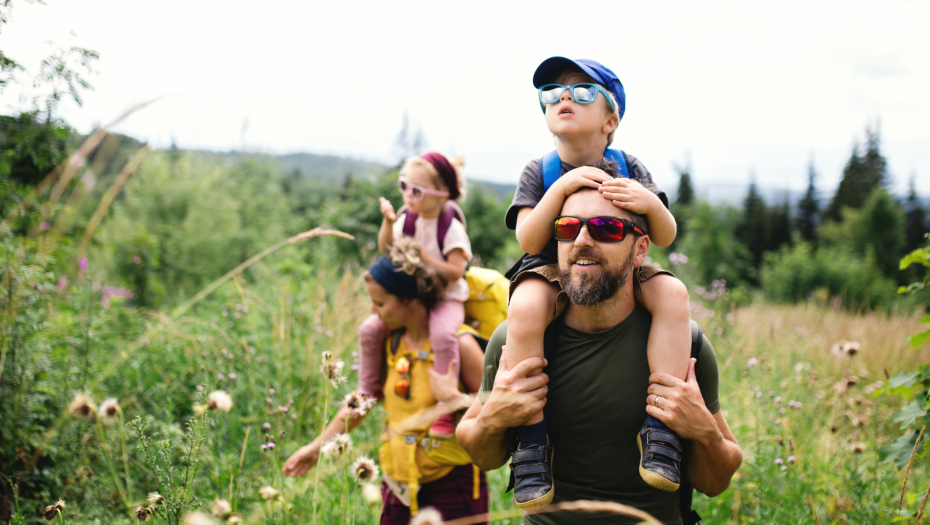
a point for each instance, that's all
(714, 460)
(486, 446)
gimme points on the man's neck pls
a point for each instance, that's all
(580, 151)
(602, 316)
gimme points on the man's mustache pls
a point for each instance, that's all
(586, 253)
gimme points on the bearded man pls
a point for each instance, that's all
(591, 383)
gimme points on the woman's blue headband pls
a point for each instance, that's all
(394, 281)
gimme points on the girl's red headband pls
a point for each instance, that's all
(446, 172)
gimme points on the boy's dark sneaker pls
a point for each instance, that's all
(659, 456)
(531, 476)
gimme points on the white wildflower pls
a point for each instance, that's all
(219, 400)
(109, 409)
(427, 516)
(364, 469)
(82, 406)
(270, 493)
(337, 446)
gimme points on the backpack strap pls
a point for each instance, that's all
(410, 222)
(686, 492)
(551, 166)
(450, 210)
(395, 340)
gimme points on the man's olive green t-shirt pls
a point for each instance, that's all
(596, 405)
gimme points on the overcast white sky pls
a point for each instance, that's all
(737, 87)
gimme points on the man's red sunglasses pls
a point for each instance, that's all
(601, 229)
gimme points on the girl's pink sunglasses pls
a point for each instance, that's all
(417, 191)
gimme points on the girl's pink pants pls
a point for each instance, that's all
(444, 321)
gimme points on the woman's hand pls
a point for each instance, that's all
(445, 387)
(629, 195)
(581, 177)
(387, 210)
(301, 461)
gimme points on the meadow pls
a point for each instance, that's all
(116, 344)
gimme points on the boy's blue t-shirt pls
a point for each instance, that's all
(530, 191)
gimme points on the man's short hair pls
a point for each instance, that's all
(611, 168)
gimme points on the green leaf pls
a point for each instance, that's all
(907, 415)
(899, 452)
(903, 379)
(918, 256)
(918, 339)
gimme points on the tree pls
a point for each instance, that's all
(685, 189)
(751, 230)
(809, 209)
(778, 226)
(409, 143)
(861, 176)
(915, 221)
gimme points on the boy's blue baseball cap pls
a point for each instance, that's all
(550, 67)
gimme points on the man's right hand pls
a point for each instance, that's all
(517, 395)
(301, 461)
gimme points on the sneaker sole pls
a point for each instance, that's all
(654, 480)
(541, 501)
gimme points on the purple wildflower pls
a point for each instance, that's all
(62, 283)
(45, 226)
(82, 264)
(752, 362)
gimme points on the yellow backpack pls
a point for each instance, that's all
(486, 306)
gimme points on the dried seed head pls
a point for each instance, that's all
(858, 448)
(82, 406)
(197, 518)
(427, 516)
(359, 403)
(364, 469)
(221, 508)
(219, 400)
(333, 372)
(326, 357)
(109, 409)
(142, 513)
(60, 504)
(270, 493)
(372, 494)
(234, 519)
(50, 512)
(845, 349)
(155, 498)
(337, 446)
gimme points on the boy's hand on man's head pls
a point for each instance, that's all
(387, 210)
(581, 177)
(629, 195)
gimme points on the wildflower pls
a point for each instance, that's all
(82, 264)
(264, 447)
(45, 226)
(372, 494)
(200, 388)
(778, 461)
(845, 349)
(142, 513)
(220, 377)
(333, 372)
(219, 400)
(155, 498)
(82, 406)
(266, 425)
(221, 509)
(358, 403)
(758, 395)
(729, 317)
(364, 469)
(50, 512)
(234, 518)
(752, 362)
(427, 516)
(197, 518)
(781, 410)
(784, 468)
(271, 445)
(136, 259)
(271, 493)
(325, 356)
(778, 421)
(858, 448)
(62, 284)
(271, 391)
(791, 459)
(791, 403)
(336, 446)
(109, 409)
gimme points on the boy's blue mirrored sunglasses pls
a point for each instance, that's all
(581, 93)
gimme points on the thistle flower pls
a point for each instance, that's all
(50, 512)
(858, 448)
(333, 372)
(234, 519)
(270, 493)
(82, 406)
(155, 498)
(358, 403)
(336, 446)
(778, 461)
(846, 349)
(364, 469)
(221, 509)
(427, 516)
(142, 513)
(109, 409)
(219, 400)
(326, 357)
(752, 362)
(371, 493)
(197, 518)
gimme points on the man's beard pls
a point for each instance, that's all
(592, 288)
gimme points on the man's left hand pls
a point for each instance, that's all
(681, 405)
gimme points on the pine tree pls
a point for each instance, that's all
(778, 226)
(808, 209)
(685, 189)
(751, 230)
(915, 221)
(861, 176)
